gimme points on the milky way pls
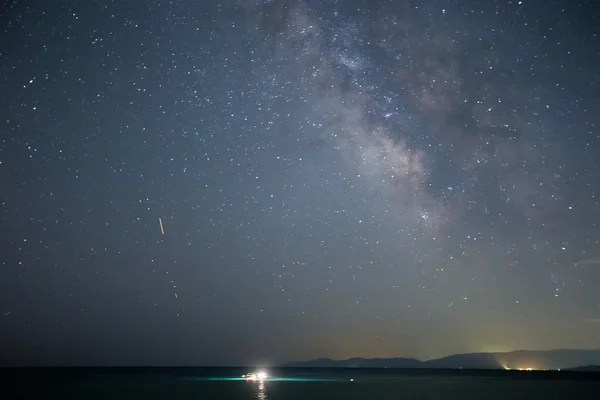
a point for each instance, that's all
(265, 181)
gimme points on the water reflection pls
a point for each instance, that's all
(261, 392)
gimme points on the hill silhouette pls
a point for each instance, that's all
(520, 359)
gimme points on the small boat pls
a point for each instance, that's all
(255, 376)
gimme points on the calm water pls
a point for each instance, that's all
(288, 384)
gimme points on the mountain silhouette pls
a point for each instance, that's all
(520, 359)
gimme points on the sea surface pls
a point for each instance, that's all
(294, 383)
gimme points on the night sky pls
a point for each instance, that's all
(333, 179)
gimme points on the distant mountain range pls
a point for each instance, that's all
(520, 359)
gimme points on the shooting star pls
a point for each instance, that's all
(161, 226)
(450, 305)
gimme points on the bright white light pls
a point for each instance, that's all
(261, 375)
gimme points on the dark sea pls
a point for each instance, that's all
(294, 383)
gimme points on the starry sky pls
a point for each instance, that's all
(260, 181)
